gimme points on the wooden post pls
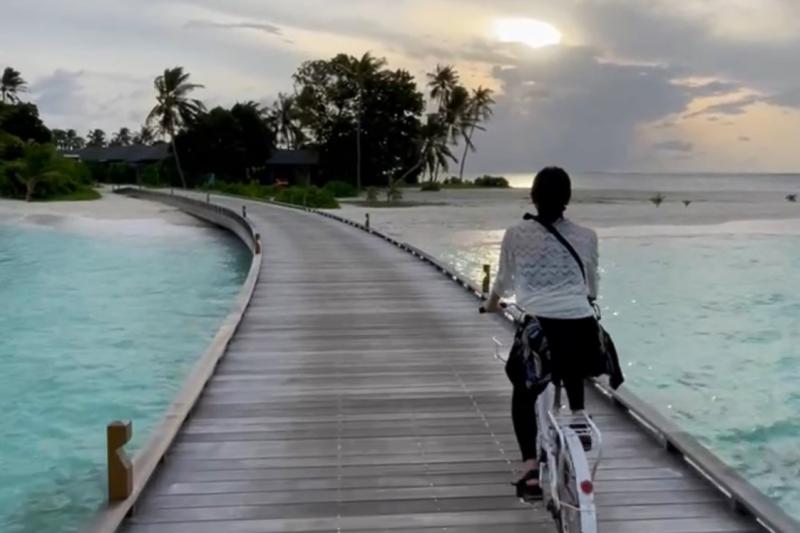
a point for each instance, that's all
(366, 220)
(258, 243)
(120, 468)
(487, 278)
(244, 211)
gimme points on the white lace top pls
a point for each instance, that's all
(542, 274)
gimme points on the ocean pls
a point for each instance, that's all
(702, 300)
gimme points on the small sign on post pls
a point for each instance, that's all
(120, 468)
(487, 278)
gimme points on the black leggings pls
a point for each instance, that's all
(572, 343)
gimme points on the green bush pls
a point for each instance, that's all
(250, 190)
(492, 181)
(340, 189)
(430, 186)
(150, 176)
(308, 197)
(43, 174)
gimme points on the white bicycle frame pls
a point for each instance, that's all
(559, 443)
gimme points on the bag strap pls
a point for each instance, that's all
(563, 240)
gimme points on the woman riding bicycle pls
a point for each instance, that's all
(549, 284)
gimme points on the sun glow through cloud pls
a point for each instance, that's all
(532, 32)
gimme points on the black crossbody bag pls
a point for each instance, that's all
(609, 363)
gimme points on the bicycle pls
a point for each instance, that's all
(565, 475)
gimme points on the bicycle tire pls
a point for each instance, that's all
(577, 513)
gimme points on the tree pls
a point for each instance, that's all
(441, 82)
(231, 143)
(96, 138)
(60, 139)
(174, 109)
(479, 111)
(10, 85)
(74, 141)
(284, 119)
(360, 73)
(144, 136)
(37, 165)
(452, 101)
(382, 108)
(432, 149)
(121, 138)
(456, 114)
(22, 120)
(67, 140)
(435, 151)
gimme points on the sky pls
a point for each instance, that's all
(634, 85)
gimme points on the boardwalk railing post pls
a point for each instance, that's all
(120, 468)
(366, 220)
(487, 278)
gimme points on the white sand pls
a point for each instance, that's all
(611, 212)
(113, 214)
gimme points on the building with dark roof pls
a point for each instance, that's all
(135, 154)
(296, 167)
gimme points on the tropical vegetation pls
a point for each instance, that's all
(369, 125)
(31, 167)
(174, 108)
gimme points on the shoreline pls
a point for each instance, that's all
(112, 215)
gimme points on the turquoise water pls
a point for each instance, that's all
(709, 328)
(92, 329)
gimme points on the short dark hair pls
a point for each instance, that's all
(551, 193)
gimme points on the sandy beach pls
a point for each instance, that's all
(475, 214)
(111, 215)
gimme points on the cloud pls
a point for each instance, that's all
(569, 106)
(713, 88)
(207, 24)
(61, 93)
(790, 98)
(674, 146)
(736, 107)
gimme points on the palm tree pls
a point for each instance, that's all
(436, 153)
(360, 71)
(450, 97)
(145, 136)
(284, 119)
(456, 114)
(434, 149)
(174, 109)
(11, 84)
(479, 112)
(96, 138)
(74, 141)
(60, 139)
(441, 82)
(121, 138)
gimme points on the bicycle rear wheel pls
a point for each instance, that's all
(577, 513)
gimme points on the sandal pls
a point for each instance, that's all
(526, 491)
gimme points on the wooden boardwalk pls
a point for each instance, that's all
(360, 395)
